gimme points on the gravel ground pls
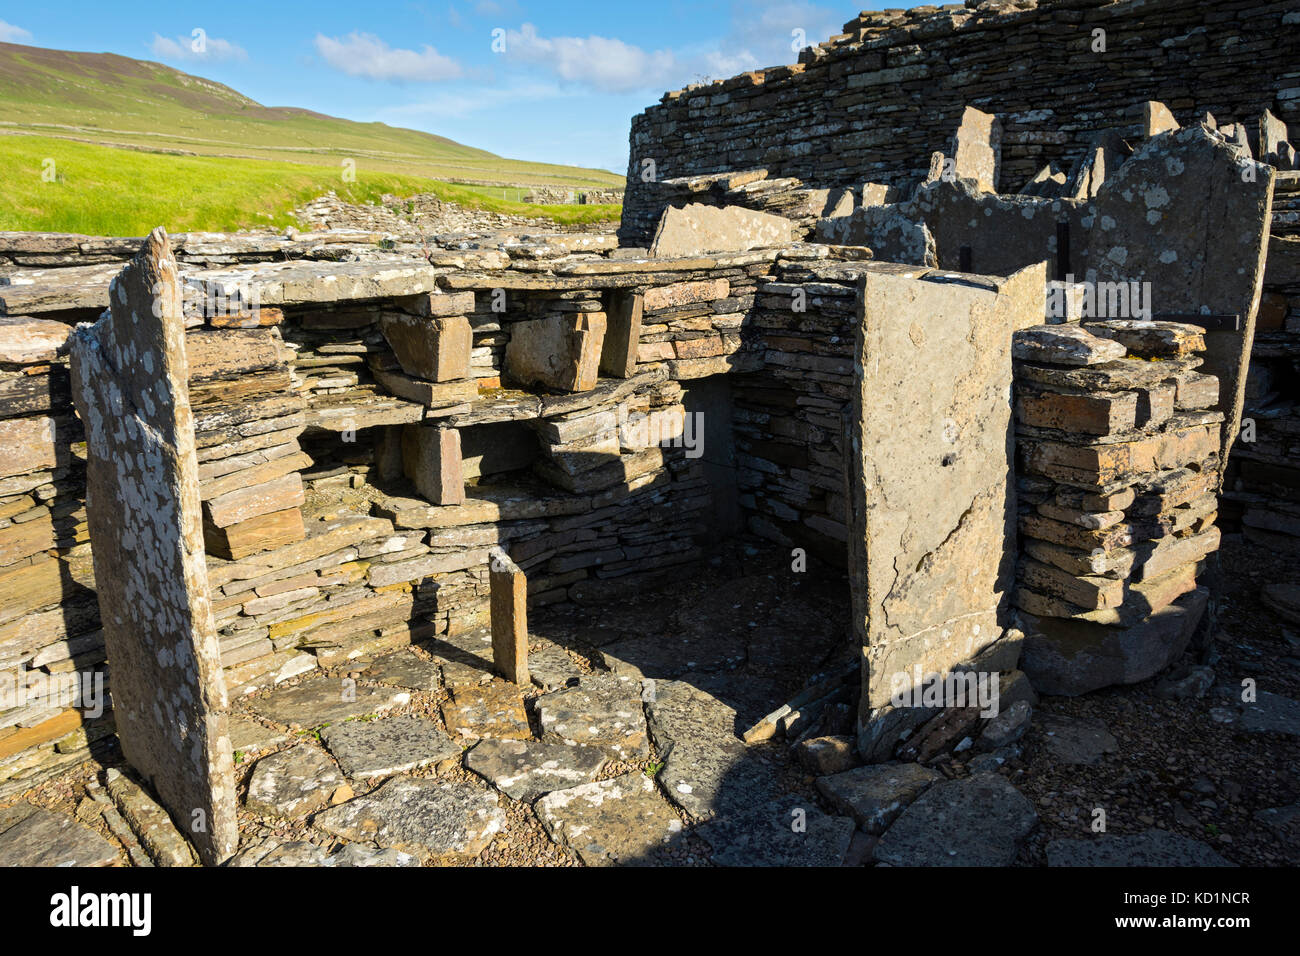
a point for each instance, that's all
(1177, 768)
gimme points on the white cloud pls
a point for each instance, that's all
(605, 63)
(197, 46)
(12, 34)
(762, 34)
(364, 54)
(455, 104)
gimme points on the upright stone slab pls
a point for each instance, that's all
(130, 384)
(932, 496)
(431, 458)
(1157, 119)
(509, 601)
(560, 352)
(1273, 142)
(1188, 213)
(977, 149)
(622, 333)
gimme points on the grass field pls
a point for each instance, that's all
(100, 190)
(136, 143)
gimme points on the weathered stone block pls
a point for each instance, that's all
(1094, 414)
(263, 533)
(560, 352)
(1075, 657)
(25, 341)
(434, 348)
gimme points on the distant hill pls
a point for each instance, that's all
(115, 100)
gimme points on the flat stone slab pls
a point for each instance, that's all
(325, 700)
(292, 783)
(1065, 345)
(1077, 740)
(603, 711)
(465, 658)
(447, 822)
(612, 822)
(524, 770)
(672, 655)
(978, 820)
(248, 736)
(1271, 714)
(1150, 848)
(46, 838)
(787, 831)
(403, 669)
(381, 748)
(706, 769)
(486, 710)
(301, 853)
(551, 668)
(875, 795)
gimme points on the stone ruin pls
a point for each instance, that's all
(1005, 424)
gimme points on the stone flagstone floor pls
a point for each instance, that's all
(627, 750)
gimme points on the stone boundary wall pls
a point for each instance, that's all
(872, 105)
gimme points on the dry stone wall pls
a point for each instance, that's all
(324, 542)
(873, 104)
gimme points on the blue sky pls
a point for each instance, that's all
(563, 89)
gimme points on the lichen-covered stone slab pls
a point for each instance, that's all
(551, 668)
(781, 831)
(618, 822)
(292, 783)
(403, 669)
(303, 281)
(1189, 213)
(1150, 848)
(45, 838)
(150, 823)
(446, 822)
(706, 768)
(248, 736)
(876, 794)
(1065, 345)
(380, 748)
(979, 820)
(526, 769)
(603, 711)
(131, 387)
(271, 852)
(696, 229)
(486, 710)
(326, 700)
(888, 231)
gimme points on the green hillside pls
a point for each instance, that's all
(130, 138)
(110, 99)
